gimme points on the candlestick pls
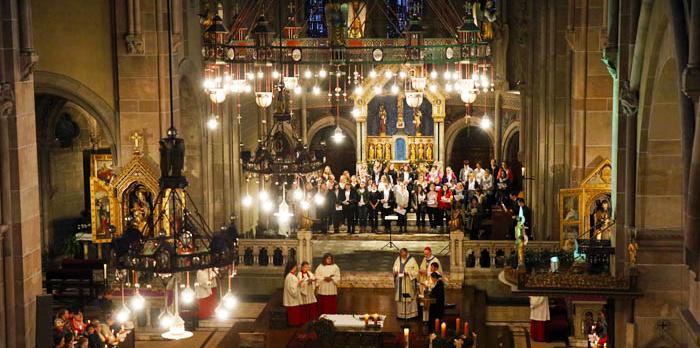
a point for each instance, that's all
(437, 325)
(405, 336)
(432, 338)
(458, 343)
(443, 330)
(457, 325)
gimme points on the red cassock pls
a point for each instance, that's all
(207, 305)
(327, 304)
(537, 332)
(310, 311)
(295, 315)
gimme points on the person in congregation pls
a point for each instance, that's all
(336, 198)
(405, 283)
(449, 177)
(323, 208)
(374, 207)
(349, 207)
(307, 296)
(418, 205)
(387, 202)
(328, 278)
(425, 266)
(437, 295)
(431, 203)
(444, 197)
(363, 199)
(465, 171)
(401, 197)
(291, 298)
(479, 173)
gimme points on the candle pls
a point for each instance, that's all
(366, 318)
(376, 317)
(443, 330)
(437, 325)
(466, 328)
(104, 271)
(523, 171)
(405, 336)
(457, 322)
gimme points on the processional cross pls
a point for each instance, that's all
(136, 138)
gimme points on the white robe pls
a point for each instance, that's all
(327, 288)
(291, 296)
(425, 266)
(306, 289)
(539, 308)
(405, 284)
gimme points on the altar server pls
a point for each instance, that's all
(406, 285)
(291, 298)
(328, 278)
(307, 297)
(437, 296)
(428, 259)
(539, 315)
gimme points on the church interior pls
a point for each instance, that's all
(349, 173)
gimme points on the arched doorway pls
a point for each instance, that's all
(339, 156)
(67, 136)
(512, 157)
(473, 144)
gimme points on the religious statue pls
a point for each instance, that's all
(356, 19)
(139, 207)
(417, 119)
(419, 145)
(632, 248)
(601, 218)
(456, 220)
(335, 23)
(371, 151)
(520, 242)
(412, 151)
(399, 112)
(428, 152)
(387, 151)
(138, 146)
(380, 151)
(382, 120)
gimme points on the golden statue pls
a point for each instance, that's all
(371, 151)
(380, 151)
(356, 19)
(382, 120)
(520, 241)
(428, 152)
(399, 112)
(419, 145)
(387, 151)
(456, 220)
(412, 151)
(632, 248)
(417, 119)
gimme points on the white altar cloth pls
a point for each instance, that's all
(351, 321)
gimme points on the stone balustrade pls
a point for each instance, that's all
(274, 253)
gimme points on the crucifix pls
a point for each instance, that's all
(136, 138)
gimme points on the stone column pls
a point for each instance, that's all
(358, 143)
(361, 136)
(497, 120)
(3, 305)
(304, 251)
(304, 123)
(457, 256)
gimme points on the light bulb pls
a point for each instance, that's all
(433, 74)
(263, 195)
(402, 74)
(308, 74)
(267, 206)
(283, 218)
(305, 205)
(298, 194)
(315, 90)
(137, 302)
(218, 96)
(447, 75)
(322, 73)
(247, 200)
(485, 122)
(187, 295)
(319, 199)
(250, 76)
(247, 88)
(388, 74)
(358, 90)
(123, 314)
(433, 88)
(230, 301)
(261, 74)
(372, 74)
(212, 123)
(338, 135)
(297, 90)
(275, 74)
(208, 84)
(448, 87)
(355, 113)
(166, 319)
(455, 75)
(221, 312)
(377, 90)
(394, 89)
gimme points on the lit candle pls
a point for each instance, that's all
(405, 336)
(104, 273)
(443, 330)
(523, 171)
(457, 324)
(437, 325)
(376, 317)
(466, 328)
(366, 318)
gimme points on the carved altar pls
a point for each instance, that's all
(581, 208)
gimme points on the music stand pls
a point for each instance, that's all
(391, 244)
